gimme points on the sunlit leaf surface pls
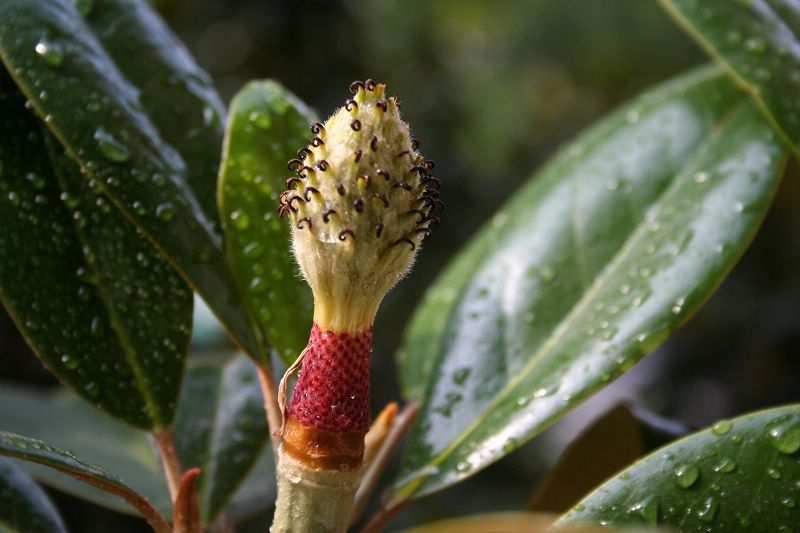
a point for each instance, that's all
(607, 250)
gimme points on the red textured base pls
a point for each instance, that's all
(332, 392)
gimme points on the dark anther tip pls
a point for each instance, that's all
(405, 239)
(294, 164)
(366, 179)
(351, 104)
(378, 229)
(358, 205)
(304, 219)
(303, 152)
(290, 201)
(382, 172)
(307, 193)
(422, 215)
(426, 231)
(304, 170)
(382, 198)
(291, 181)
(316, 141)
(345, 232)
(355, 85)
(322, 165)
(340, 189)
(370, 85)
(414, 144)
(326, 215)
(355, 125)
(316, 128)
(429, 164)
(382, 104)
(357, 156)
(404, 186)
(373, 143)
(401, 154)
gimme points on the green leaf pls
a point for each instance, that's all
(61, 418)
(96, 302)
(608, 249)
(266, 126)
(36, 451)
(759, 41)
(24, 507)
(126, 136)
(738, 475)
(221, 428)
(72, 425)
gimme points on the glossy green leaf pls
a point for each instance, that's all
(221, 428)
(759, 40)
(266, 126)
(177, 94)
(739, 475)
(36, 451)
(125, 135)
(24, 507)
(60, 418)
(590, 266)
(96, 302)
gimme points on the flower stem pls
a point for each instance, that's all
(169, 460)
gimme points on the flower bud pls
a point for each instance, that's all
(359, 207)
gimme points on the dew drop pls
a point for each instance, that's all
(707, 510)
(721, 428)
(165, 211)
(111, 148)
(261, 120)
(52, 53)
(461, 375)
(69, 362)
(686, 475)
(784, 436)
(647, 509)
(240, 219)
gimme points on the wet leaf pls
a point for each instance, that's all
(99, 306)
(13, 445)
(142, 129)
(508, 522)
(24, 507)
(758, 40)
(738, 475)
(73, 425)
(221, 428)
(266, 126)
(607, 250)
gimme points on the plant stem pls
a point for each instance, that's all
(376, 467)
(170, 460)
(385, 515)
(274, 414)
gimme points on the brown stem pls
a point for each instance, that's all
(385, 514)
(376, 466)
(169, 460)
(274, 414)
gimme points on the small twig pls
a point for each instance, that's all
(274, 415)
(381, 519)
(169, 460)
(186, 515)
(375, 468)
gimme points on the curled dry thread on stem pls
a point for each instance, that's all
(360, 204)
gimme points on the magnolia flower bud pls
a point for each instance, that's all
(360, 206)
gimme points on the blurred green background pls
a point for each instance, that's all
(492, 88)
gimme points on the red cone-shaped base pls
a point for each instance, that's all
(332, 392)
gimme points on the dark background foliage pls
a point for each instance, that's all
(492, 89)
